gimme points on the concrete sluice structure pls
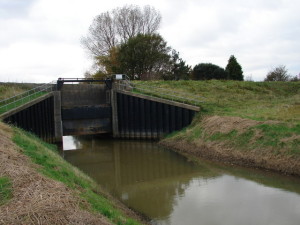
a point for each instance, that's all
(87, 109)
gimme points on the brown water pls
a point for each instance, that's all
(170, 189)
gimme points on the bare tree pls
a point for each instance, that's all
(117, 26)
(280, 73)
(101, 35)
(150, 21)
(128, 21)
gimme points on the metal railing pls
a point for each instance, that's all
(27, 96)
(160, 93)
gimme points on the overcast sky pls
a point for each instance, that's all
(40, 39)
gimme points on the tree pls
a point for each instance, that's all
(109, 64)
(279, 73)
(234, 69)
(295, 78)
(115, 27)
(145, 56)
(208, 71)
(179, 69)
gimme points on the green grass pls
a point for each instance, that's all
(252, 100)
(53, 166)
(103, 206)
(20, 102)
(261, 101)
(279, 138)
(5, 190)
(222, 137)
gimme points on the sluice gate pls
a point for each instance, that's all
(84, 109)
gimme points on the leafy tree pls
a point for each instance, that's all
(145, 56)
(280, 73)
(208, 71)
(96, 75)
(109, 64)
(111, 28)
(179, 68)
(234, 69)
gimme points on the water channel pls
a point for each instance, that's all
(173, 190)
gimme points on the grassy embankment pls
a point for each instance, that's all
(248, 123)
(10, 90)
(65, 180)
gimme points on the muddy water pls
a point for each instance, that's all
(170, 189)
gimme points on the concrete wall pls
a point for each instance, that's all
(85, 109)
(83, 95)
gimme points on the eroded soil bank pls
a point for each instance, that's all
(267, 145)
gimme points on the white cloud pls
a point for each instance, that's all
(41, 39)
(50, 62)
(14, 8)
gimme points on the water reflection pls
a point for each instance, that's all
(171, 190)
(71, 143)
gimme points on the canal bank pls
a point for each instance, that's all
(42, 188)
(270, 145)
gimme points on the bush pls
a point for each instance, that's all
(208, 71)
(280, 73)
